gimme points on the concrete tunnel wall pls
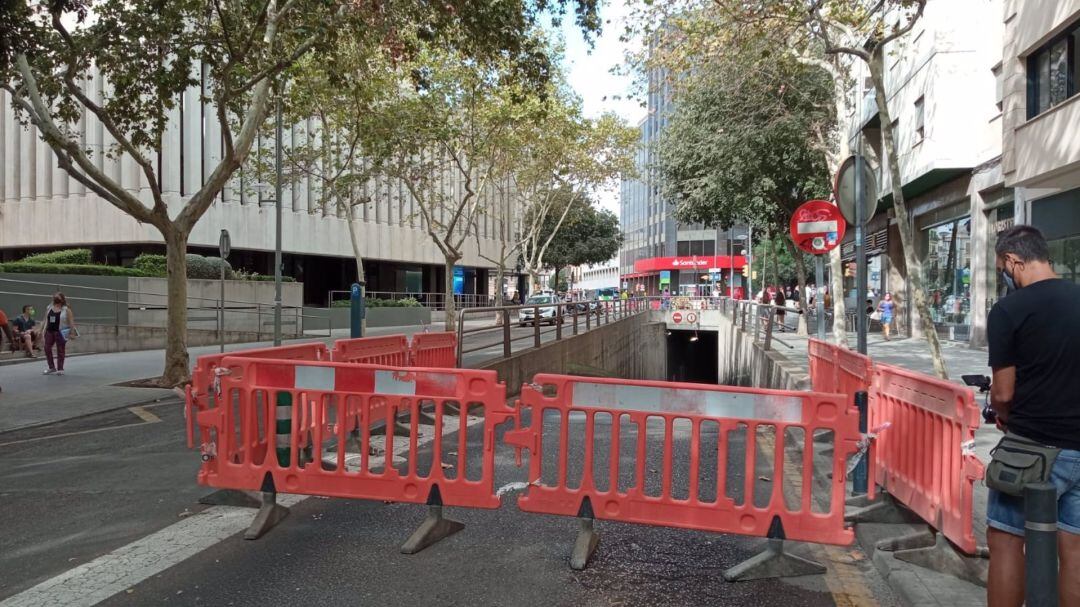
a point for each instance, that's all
(633, 347)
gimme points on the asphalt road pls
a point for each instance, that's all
(74, 491)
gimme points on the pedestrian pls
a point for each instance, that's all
(1034, 343)
(665, 300)
(5, 329)
(781, 303)
(25, 332)
(59, 328)
(886, 307)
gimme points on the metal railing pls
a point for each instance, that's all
(569, 318)
(437, 301)
(90, 308)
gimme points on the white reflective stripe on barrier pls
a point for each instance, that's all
(314, 378)
(390, 382)
(324, 379)
(765, 407)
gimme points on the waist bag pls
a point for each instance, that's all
(1016, 462)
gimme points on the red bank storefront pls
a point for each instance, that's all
(697, 275)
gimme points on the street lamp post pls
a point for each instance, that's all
(260, 188)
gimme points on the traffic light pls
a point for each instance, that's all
(849, 270)
(746, 270)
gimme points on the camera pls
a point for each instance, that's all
(982, 382)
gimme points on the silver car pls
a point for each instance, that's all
(548, 313)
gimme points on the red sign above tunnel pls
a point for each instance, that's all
(702, 262)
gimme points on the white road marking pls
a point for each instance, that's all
(107, 575)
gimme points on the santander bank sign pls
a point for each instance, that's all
(722, 262)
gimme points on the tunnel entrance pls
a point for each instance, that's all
(692, 356)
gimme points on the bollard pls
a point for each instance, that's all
(858, 477)
(356, 310)
(1040, 545)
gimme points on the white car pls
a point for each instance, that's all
(548, 313)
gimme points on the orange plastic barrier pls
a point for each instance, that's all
(837, 369)
(434, 350)
(336, 398)
(923, 459)
(388, 350)
(627, 406)
(201, 393)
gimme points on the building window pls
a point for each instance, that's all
(1053, 72)
(920, 131)
(999, 87)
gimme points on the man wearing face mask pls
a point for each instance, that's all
(1034, 339)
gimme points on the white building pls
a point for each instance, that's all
(599, 276)
(941, 80)
(1041, 153)
(42, 208)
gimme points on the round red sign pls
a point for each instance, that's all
(676, 317)
(817, 227)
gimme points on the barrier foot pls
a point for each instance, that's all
(433, 529)
(269, 515)
(585, 545)
(912, 541)
(773, 562)
(232, 497)
(944, 558)
(885, 510)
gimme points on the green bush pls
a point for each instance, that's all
(65, 256)
(22, 267)
(374, 302)
(151, 265)
(207, 267)
(265, 278)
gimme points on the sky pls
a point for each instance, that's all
(589, 72)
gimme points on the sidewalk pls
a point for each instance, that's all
(29, 398)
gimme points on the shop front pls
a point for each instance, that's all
(945, 250)
(690, 275)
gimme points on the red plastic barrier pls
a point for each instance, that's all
(614, 407)
(837, 369)
(434, 350)
(201, 392)
(239, 443)
(923, 458)
(390, 350)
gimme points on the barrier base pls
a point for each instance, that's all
(924, 538)
(773, 562)
(884, 510)
(433, 529)
(269, 515)
(585, 545)
(944, 558)
(232, 497)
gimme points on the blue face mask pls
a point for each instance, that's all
(1010, 284)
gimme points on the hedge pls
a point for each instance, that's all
(265, 278)
(66, 256)
(22, 267)
(375, 302)
(151, 265)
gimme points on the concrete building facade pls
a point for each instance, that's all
(42, 208)
(942, 82)
(1041, 116)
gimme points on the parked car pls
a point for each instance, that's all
(547, 313)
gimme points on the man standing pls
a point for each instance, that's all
(1034, 337)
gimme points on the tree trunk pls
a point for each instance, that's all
(449, 308)
(915, 277)
(800, 273)
(177, 366)
(555, 280)
(534, 282)
(836, 289)
(355, 238)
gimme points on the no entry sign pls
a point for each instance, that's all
(817, 227)
(676, 317)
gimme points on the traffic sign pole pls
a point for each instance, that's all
(819, 281)
(860, 255)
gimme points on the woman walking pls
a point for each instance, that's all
(59, 328)
(781, 303)
(886, 307)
